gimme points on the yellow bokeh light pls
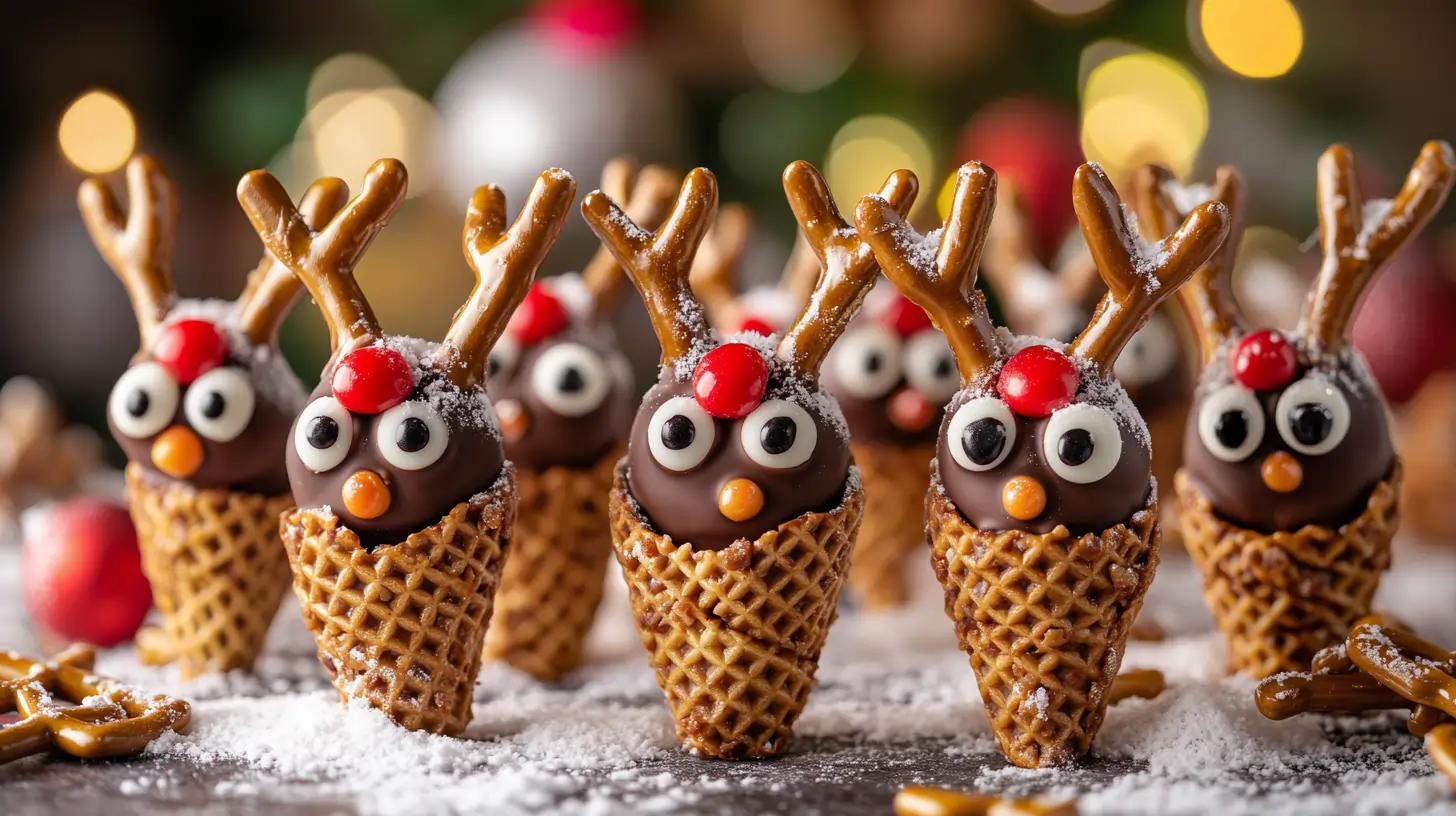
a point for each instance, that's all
(946, 196)
(1072, 8)
(1140, 108)
(349, 71)
(1255, 38)
(867, 150)
(97, 133)
(350, 130)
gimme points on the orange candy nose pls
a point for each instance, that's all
(177, 452)
(1024, 498)
(514, 421)
(909, 410)
(366, 496)
(740, 500)
(1281, 472)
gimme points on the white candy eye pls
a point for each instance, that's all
(867, 361)
(323, 435)
(981, 433)
(680, 434)
(1149, 355)
(931, 368)
(1082, 443)
(412, 435)
(779, 434)
(219, 404)
(571, 379)
(143, 401)
(1231, 423)
(503, 357)
(1313, 416)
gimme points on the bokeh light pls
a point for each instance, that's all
(350, 71)
(800, 46)
(350, 130)
(1143, 107)
(97, 133)
(1255, 38)
(1072, 8)
(870, 148)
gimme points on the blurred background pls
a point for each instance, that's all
(475, 91)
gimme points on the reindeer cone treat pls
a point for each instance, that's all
(405, 499)
(563, 389)
(736, 508)
(1287, 496)
(1042, 510)
(202, 414)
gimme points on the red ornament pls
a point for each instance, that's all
(905, 317)
(189, 348)
(83, 573)
(1264, 360)
(1037, 381)
(588, 29)
(730, 380)
(756, 326)
(372, 379)
(539, 316)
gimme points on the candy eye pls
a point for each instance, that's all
(571, 379)
(143, 401)
(412, 435)
(323, 434)
(867, 361)
(1149, 355)
(779, 434)
(930, 367)
(219, 404)
(981, 433)
(503, 357)
(1313, 416)
(680, 434)
(1231, 423)
(1082, 443)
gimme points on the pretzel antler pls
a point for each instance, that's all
(714, 271)
(272, 289)
(943, 284)
(324, 260)
(1136, 281)
(801, 270)
(848, 266)
(648, 197)
(659, 262)
(1353, 250)
(505, 263)
(1036, 299)
(138, 245)
(1208, 296)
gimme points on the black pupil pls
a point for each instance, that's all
(1075, 446)
(214, 406)
(678, 432)
(1311, 423)
(778, 434)
(1232, 429)
(492, 366)
(873, 362)
(943, 367)
(983, 440)
(323, 432)
(137, 403)
(413, 435)
(571, 380)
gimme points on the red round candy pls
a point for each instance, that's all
(372, 379)
(1037, 381)
(189, 348)
(756, 326)
(905, 317)
(730, 380)
(539, 316)
(1264, 360)
(83, 573)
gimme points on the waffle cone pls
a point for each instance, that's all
(1280, 597)
(895, 481)
(553, 580)
(734, 635)
(217, 570)
(1044, 619)
(401, 626)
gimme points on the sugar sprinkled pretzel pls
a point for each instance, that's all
(1143, 683)
(646, 195)
(1414, 667)
(65, 708)
(917, 800)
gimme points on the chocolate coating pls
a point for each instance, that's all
(870, 418)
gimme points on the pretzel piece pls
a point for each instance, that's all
(1441, 747)
(1411, 666)
(647, 195)
(1142, 683)
(272, 288)
(715, 268)
(801, 270)
(918, 800)
(1289, 693)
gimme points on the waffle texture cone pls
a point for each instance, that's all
(1280, 597)
(553, 581)
(895, 480)
(1044, 619)
(734, 635)
(401, 626)
(217, 570)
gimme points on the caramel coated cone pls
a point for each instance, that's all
(1044, 619)
(1281, 597)
(217, 570)
(734, 635)
(895, 481)
(553, 580)
(401, 626)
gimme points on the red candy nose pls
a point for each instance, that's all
(1037, 381)
(730, 380)
(905, 317)
(189, 348)
(539, 316)
(756, 326)
(1264, 360)
(372, 379)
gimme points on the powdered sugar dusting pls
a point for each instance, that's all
(268, 371)
(471, 409)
